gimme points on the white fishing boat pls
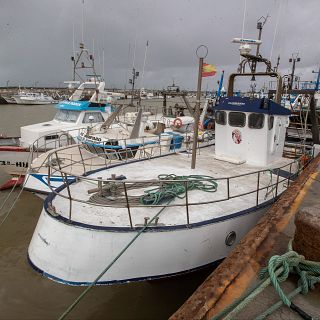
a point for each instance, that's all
(163, 215)
(71, 116)
(182, 219)
(33, 98)
(88, 105)
(124, 141)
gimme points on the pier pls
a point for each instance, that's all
(239, 271)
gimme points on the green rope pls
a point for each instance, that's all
(277, 271)
(168, 190)
(171, 188)
(81, 296)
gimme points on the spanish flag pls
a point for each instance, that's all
(208, 70)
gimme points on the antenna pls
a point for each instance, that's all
(103, 64)
(134, 51)
(82, 26)
(126, 81)
(144, 63)
(244, 17)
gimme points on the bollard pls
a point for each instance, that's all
(307, 236)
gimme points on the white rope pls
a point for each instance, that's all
(275, 31)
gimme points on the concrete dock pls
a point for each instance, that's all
(239, 271)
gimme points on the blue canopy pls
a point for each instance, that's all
(80, 105)
(254, 105)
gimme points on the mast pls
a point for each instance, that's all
(220, 84)
(144, 64)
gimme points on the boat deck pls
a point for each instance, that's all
(116, 214)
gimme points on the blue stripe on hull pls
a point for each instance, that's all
(156, 277)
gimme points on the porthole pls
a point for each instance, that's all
(230, 238)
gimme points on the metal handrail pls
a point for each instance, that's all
(187, 204)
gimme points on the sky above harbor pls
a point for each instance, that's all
(37, 38)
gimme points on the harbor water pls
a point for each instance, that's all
(25, 294)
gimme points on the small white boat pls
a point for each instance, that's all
(33, 98)
(146, 137)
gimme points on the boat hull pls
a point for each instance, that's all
(14, 159)
(33, 101)
(76, 254)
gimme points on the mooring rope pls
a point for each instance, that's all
(177, 189)
(277, 271)
(158, 194)
(81, 296)
(168, 186)
(6, 215)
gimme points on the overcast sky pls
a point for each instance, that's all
(36, 38)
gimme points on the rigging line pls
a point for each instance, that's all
(81, 296)
(275, 30)
(244, 17)
(127, 69)
(144, 63)
(243, 23)
(134, 50)
(73, 48)
(18, 196)
(82, 24)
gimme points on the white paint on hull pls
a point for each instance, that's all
(77, 255)
(13, 161)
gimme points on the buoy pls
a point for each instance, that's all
(14, 181)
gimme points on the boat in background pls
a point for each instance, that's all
(88, 105)
(9, 100)
(33, 98)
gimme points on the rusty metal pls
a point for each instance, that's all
(196, 117)
(232, 277)
(270, 74)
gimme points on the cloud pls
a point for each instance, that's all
(36, 37)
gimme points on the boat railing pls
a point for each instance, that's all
(267, 185)
(144, 147)
(91, 156)
(52, 141)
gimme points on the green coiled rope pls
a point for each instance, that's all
(277, 271)
(177, 188)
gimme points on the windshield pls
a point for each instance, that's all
(67, 115)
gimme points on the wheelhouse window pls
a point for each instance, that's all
(67, 115)
(221, 117)
(92, 117)
(270, 122)
(237, 119)
(256, 120)
(52, 137)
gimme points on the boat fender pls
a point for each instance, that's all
(177, 122)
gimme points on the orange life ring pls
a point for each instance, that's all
(177, 122)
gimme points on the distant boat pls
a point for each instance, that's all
(9, 100)
(33, 98)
